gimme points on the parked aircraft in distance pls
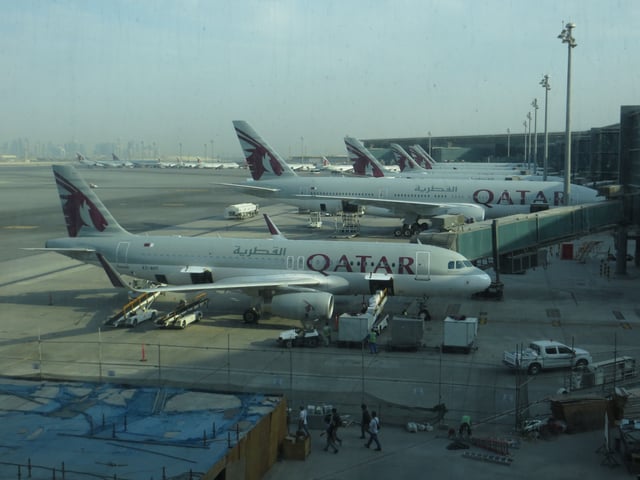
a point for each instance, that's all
(410, 168)
(335, 168)
(215, 165)
(512, 171)
(115, 163)
(425, 160)
(408, 198)
(291, 278)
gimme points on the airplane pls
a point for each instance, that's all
(335, 168)
(102, 163)
(425, 160)
(215, 165)
(86, 162)
(518, 172)
(408, 198)
(410, 168)
(291, 278)
(120, 163)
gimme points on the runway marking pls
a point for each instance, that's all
(174, 204)
(20, 227)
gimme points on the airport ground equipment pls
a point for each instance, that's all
(141, 304)
(460, 333)
(406, 333)
(612, 371)
(240, 211)
(185, 313)
(353, 328)
(299, 337)
(546, 354)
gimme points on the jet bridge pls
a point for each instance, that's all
(511, 244)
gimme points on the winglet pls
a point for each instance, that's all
(273, 229)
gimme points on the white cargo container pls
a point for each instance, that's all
(460, 333)
(241, 210)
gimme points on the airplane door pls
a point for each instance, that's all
(122, 251)
(423, 266)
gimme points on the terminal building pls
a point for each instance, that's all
(597, 155)
(608, 155)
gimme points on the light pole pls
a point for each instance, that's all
(205, 153)
(212, 153)
(529, 138)
(534, 104)
(525, 142)
(508, 143)
(545, 84)
(429, 133)
(567, 38)
(301, 149)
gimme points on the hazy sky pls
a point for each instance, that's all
(306, 72)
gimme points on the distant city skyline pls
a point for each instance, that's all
(304, 74)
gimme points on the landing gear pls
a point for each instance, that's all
(408, 230)
(251, 315)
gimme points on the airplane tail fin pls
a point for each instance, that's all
(404, 160)
(364, 163)
(84, 213)
(422, 157)
(264, 162)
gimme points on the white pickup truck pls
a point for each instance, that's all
(546, 354)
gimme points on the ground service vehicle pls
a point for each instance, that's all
(545, 355)
(239, 211)
(299, 337)
(185, 313)
(139, 316)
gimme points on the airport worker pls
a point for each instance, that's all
(366, 419)
(326, 334)
(373, 339)
(374, 427)
(465, 425)
(302, 421)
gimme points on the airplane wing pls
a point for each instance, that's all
(255, 188)
(407, 207)
(284, 281)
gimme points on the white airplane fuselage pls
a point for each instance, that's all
(385, 196)
(340, 268)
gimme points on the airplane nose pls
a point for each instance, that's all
(480, 281)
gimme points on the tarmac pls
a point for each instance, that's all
(53, 310)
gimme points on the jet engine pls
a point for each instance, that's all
(303, 305)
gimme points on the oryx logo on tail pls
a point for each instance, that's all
(260, 158)
(362, 165)
(79, 211)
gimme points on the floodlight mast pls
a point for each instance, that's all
(567, 37)
(545, 163)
